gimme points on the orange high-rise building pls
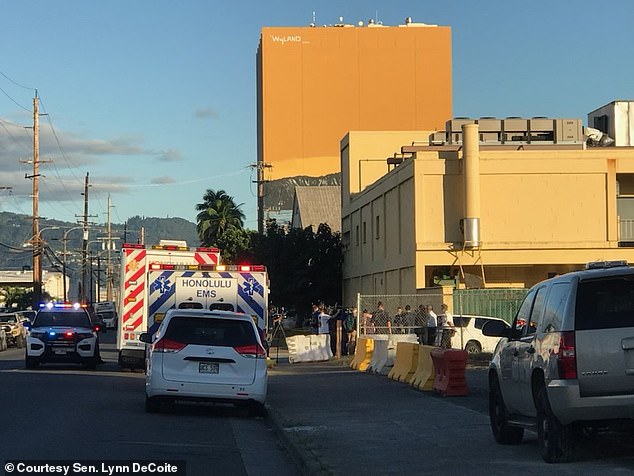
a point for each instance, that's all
(314, 84)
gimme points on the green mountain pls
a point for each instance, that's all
(17, 230)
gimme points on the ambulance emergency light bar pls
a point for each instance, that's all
(169, 248)
(242, 268)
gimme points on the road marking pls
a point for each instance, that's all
(172, 445)
(94, 373)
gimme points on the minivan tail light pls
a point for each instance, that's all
(168, 346)
(254, 351)
(567, 356)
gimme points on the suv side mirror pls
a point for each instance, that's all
(146, 337)
(496, 329)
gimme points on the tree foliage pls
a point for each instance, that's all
(217, 214)
(304, 267)
(20, 298)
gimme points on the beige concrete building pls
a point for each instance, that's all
(503, 215)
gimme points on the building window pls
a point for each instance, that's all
(356, 240)
(378, 232)
(365, 234)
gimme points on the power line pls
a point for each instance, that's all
(13, 100)
(17, 84)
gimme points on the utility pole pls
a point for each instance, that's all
(260, 166)
(37, 250)
(84, 248)
(109, 280)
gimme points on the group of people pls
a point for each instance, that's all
(326, 323)
(431, 328)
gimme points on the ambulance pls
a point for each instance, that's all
(237, 288)
(136, 262)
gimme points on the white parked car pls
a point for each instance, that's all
(200, 355)
(469, 334)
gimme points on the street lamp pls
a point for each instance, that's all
(64, 241)
(37, 264)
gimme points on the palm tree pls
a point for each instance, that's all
(217, 214)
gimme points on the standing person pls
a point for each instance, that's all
(350, 326)
(322, 321)
(432, 322)
(409, 320)
(367, 326)
(382, 320)
(399, 322)
(445, 325)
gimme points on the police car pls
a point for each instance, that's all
(62, 332)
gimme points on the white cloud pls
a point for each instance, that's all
(206, 112)
(170, 155)
(163, 180)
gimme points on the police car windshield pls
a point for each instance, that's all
(61, 318)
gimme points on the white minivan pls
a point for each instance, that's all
(212, 356)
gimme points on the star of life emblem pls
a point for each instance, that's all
(162, 284)
(251, 287)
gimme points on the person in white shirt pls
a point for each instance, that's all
(445, 326)
(432, 322)
(322, 320)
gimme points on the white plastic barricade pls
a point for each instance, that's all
(310, 348)
(320, 347)
(379, 354)
(298, 348)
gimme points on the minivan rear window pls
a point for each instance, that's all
(210, 331)
(605, 303)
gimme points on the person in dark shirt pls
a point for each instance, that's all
(382, 320)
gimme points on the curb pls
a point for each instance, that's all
(303, 456)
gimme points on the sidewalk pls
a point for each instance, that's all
(338, 421)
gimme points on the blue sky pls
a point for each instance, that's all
(156, 98)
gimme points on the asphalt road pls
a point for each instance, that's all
(63, 412)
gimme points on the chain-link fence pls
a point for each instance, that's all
(423, 314)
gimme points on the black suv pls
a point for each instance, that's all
(62, 333)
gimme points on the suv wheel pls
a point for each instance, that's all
(31, 362)
(503, 433)
(473, 347)
(556, 441)
(91, 363)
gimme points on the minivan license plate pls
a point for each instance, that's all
(208, 367)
